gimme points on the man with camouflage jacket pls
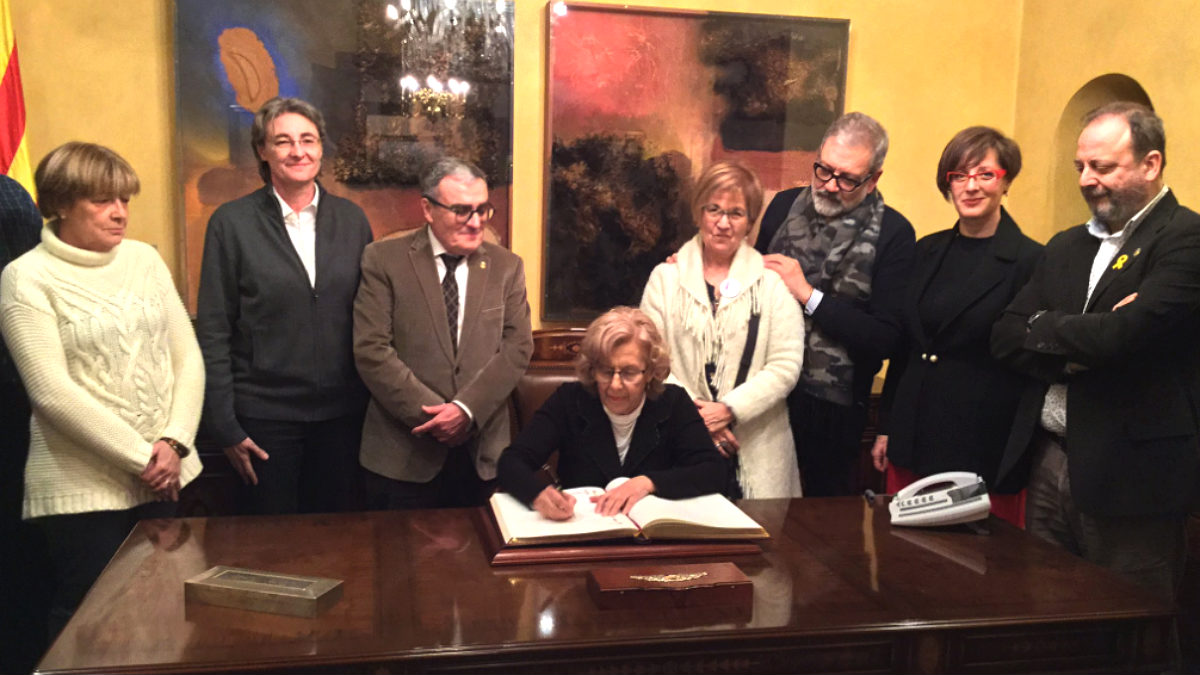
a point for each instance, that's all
(846, 257)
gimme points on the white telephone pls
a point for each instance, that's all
(942, 499)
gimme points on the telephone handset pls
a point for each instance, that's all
(942, 499)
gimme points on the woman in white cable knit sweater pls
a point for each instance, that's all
(705, 303)
(112, 367)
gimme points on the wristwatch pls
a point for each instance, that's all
(179, 448)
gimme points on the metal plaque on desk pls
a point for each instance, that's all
(260, 591)
(670, 585)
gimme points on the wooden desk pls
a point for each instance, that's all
(837, 589)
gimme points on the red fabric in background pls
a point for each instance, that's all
(12, 112)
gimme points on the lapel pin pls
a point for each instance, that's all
(1120, 264)
(1136, 251)
(483, 264)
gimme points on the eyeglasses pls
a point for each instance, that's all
(714, 213)
(463, 212)
(824, 174)
(984, 177)
(628, 375)
(283, 144)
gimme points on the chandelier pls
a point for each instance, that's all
(442, 43)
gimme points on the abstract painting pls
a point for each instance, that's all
(399, 82)
(639, 101)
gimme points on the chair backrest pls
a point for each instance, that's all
(552, 364)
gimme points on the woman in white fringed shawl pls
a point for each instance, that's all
(711, 303)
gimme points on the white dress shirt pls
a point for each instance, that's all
(1054, 408)
(302, 230)
(460, 275)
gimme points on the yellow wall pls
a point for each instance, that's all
(925, 68)
(1067, 43)
(104, 72)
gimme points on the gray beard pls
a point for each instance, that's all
(827, 205)
(1120, 207)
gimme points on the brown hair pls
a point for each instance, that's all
(78, 170)
(267, 114)
(969, 146)
(1145, 127)
(724, 176)
(615, 328)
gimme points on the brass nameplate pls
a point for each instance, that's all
(669, 578)
(671, 585)
(261, 591)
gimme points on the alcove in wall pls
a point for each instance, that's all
(1067, 206)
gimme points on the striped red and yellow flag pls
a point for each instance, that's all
(14, 150)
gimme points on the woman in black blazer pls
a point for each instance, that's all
(619, 420)
(947, 404)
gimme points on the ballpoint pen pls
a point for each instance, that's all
(553, 476)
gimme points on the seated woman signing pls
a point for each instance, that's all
(620, 419)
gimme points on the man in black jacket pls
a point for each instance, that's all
(1108, 433)
(846, 257)
(24, 599)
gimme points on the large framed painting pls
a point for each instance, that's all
(638, 102)
(399, 82)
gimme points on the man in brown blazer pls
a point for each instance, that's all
(441, 336)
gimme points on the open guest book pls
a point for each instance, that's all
(708, 517)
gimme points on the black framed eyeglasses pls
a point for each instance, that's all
(463, 212)
(823, 174)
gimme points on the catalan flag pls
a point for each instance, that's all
(14, 150)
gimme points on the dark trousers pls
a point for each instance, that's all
(313, 466)
(457, 485)
(80, 545)
(25, 582)
(828, 440)
(1147, 550)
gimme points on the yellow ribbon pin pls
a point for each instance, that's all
(1120, 262)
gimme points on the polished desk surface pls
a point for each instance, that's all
(837, 588)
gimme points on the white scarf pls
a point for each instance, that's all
(714, 333)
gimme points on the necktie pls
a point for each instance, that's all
(450, 295)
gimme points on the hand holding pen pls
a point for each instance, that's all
(552, 502)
